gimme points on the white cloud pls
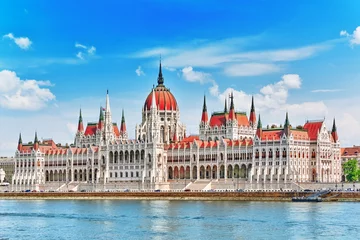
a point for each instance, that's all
(85, 51)
(195, 76)
(78, 45)
(325, 90)
(212, 54)
(80, 55)
(139, 71)
(23, 94)
(354, 37)
(22, 42)
(92, 50)
(250, 69)
(190, 75)
(344, 33)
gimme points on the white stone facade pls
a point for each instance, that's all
(234, 151)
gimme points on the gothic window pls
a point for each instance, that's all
(257, 154)
(270, 153)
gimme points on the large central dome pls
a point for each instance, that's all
(164, 98)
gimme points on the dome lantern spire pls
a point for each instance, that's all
(160, 77)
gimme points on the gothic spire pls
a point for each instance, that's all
(259, 128)
(153, 100)
(259, 125)
(36, 138)
(160, 77)
(225, 108)
(101, 119)
(252, 117)
(287, 125)
(107, 104)
(19, 143)
(36, 142)
(252, 104)
(334, 132)
(123, 125)
(232, 109)
(204, 116)
(80, 124)
(334, 126)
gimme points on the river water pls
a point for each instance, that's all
(130, 219)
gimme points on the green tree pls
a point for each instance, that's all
(351, 170)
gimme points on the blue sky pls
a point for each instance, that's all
(289, 54)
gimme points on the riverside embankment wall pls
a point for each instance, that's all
(206, 196)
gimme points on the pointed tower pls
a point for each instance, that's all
(109, 128)
(153, 101)
(225, 108)
(80, 124)
(153, 120)
(123, 132)
(36, 142)
(334, 132)
(287, 125)
(232, 109)
(160, 79)
(252, 117)
(101, 119)
(204, 116)
(19, 143)
(259, 128)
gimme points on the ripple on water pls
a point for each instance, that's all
(176, 220)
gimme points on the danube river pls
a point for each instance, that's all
(130, 219)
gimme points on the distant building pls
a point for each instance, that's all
(230, 146)
(349, 153)
(8, 165)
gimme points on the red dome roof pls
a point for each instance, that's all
(164, 99)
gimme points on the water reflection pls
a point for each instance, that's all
(113, 219)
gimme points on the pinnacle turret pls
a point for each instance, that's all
(334, 132)
(204, 116)
(252, 117)
(80, 124)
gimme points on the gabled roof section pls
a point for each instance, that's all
(313, 128)
(90, 129)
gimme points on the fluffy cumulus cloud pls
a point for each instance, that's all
(84, 51)
(139, 71)
(23, 94)
(354, 38)
(21, 42)
(190, 75)
(250, 69)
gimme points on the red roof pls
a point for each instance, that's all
(271, 134)
(300, 134)
(350, 151)
(90, 129)
(219, 119)
(164, 99)
(116, 130)
(190, 138)
(313, 128)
